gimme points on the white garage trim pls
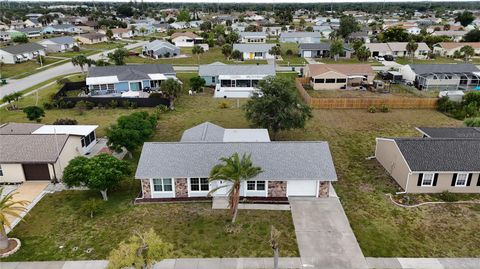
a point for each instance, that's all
(302, 188)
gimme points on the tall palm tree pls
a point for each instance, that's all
(234, 170)
(197, 50)
(82, 60)
(412, 46)
(8, 207)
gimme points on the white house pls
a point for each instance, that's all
(252, 37)
(255, 51)
(21, 53)
(58, 44)
(187, 39)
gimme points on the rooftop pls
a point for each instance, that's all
(23, 48)
(450, 132)
(27, 148)
(216, 69)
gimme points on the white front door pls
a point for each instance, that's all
(301, 188)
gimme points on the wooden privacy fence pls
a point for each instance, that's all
(362, 102)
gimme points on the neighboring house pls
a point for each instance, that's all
(442, 76)
(234, 81)
(253, 37)
(339, 76)
(41, 152)
(119, 33)
(159, 48)
(32, 22)
(61, 29)
(255, 51)
(91, 38)
(446, 159)
(172, 171)
(360, 35)
(4, 36)
(31, 31)
(180, 25)
(378, 49)
(313, 50)
(186, 39)
(58, 44)
(324, 30)
(300, 37)
(400, 49)
(142, 28)
(87, 26)
(21, 53)
(161, 27)
(272, 30)
(456, 36)
(115, 80)
(449, 48)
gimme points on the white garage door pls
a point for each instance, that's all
(307, 54)
(301, 188)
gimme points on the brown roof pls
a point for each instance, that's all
(92, 36)
(19, 128)
(120, 30)
(453, 45)
(189, 34)
(346, 69)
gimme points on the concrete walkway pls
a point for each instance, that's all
(324, 236)
(222, 203)
(423, 263)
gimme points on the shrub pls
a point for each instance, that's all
(47, 105)
(126, 104)
(34, 113)
(472, 122)
(155, 95)
(113, 104)
(308, 87)
(76, 48)
(85, 105)
(372, 109)
(65, 121)
(384, 108)
(91, 207)
(448, 196)
(223, 105)
(159, 110)
(289, 52)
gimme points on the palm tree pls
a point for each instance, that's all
(81, 60)
(234, 170)
(467, 52)
(412, 46)
(8, 207)
(197, 50)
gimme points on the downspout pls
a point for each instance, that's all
(406, 186)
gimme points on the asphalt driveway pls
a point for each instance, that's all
(324, 236)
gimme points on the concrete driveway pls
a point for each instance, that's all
(324, 236)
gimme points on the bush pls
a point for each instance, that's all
(155, 95)
(289, 52)
(469, 107)
(308, 87)
(113, 104)
(372, 109)
(76, 48)
(34, 113)
(223, 105)
(47, 105)
(166, 55)
(472, 122)
(159, 110)
(448, 197)
(85, 105)
(91, 207)
(65, 121)
(384, 109)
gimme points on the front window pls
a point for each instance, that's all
(162, 184)
(199, 184)
(319, 80)
(1, 171)
(461, 180)
(427, 179)
(258, 185)
(330, 80)
(341, 80)
(243, 83)
(258, 54)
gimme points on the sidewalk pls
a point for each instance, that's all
(423, 263)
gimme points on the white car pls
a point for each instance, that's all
(379, 58)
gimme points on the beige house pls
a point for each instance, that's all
(445, 159)
(449, 48)
(91, 38)
(41, 152)
(339, 76)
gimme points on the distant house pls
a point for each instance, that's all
(253, 37)
(324, 30)
(32, 22)
(446, 159)
(180, 25)
(31, 31)
(161, 27)
(339, 76)
(41, 152)
(159, 48)
(449, 48)
(360, 35)
(4, 36)
(91, 38)
(186, 39)
(87, 26)
(21, 53)
(300, 37)
(442, 76)
(400, 49)
(119, 33)
(61, 29)
(116, 80)
(58, 44)
(378, 49)
(313, 50)
(456, 36)
(272, 30)
(255, 51)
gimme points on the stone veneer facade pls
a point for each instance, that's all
(181, 187)
(277, 189)
(147, 192)
(323, 190)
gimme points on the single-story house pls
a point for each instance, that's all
(159, 48)
(253, 37)
(359, 35)
(58, 44)
(41, 152)
(180, 25)
(119, 33)
(442, 76)
(324, 30)
(21, 52)
(449, 48)
(378, 49)
(255, 51)
(116, 80)
(272, 30)
(61, 28)
(300, 37)
(446, 159)
(400, 49)
(313, 50)
(234, 81)
(31, 31)
(91, 38)
(186, 39)
(161, 27)
(456, 36)
(172, 171)
(4, 36)
(339, 76)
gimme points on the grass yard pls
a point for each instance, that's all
(292, 59)
(26, 68)
(396, 90)
(437, 60)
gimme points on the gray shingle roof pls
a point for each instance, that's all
(441, 154)
(19, 128)
(279, 160)
(157, 44)
(420, 69)
(318, 46)
(23, 48)
(62, 40)
(131, 72)
(206, 132)
(256, 34)
(253, 47)
(30, 148)
(30, 29)
(236, 69)
(300, 34)
(464, 132)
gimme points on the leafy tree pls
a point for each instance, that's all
(82, 61)
(206, 26)
(251, 28)
(197, 83)
(109, 34)
(237, 55)
(472, 122)
(101, 173)
(227, 50)
(465, 18)
(118, 56)
(183, 15)
(172, 89)
(133, 28)
(20, 39)
(336, 48)
(140, 251)
(357, 43)
(9, 207)
(309, 29)
(34, 113)
(101, 62)
(125, 10)
(394, 34)
(472, 36)
(131, 131)
(275, 50)
(412, 46)
(9, 98)
(348, 25)
(197, 50)
(234, 170)
(143, 31)
(467, 52)
(363, 53)
(276, 106)
(302, 23)
(232, 37)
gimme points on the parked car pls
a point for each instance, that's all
(388, 58)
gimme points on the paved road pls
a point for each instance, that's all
(324, 236)
(64, 69)
(423, 263)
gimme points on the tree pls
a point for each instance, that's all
(465, 18)
(363, 53)
(394, 34)
(82, 60)
(309, 29)
(467, 52)
(34, 113)
(197, 50)
(218, 30)
(232, 37)
(274, 238)
(237, 55)
(234, 170)
(131, 131)
(276, 106)
(118, 56)
(348, 25)
(140, 251)
(206, 26)
(101, 173)
(472, 36)
(9, 207)
(227, 50)
(412, 46)
(275, 50)
(172, 89)
(197, 83)
(133, 28)
(109, 34)
(336, 48)
(302, 23)
(183, 15)
(20, 39)
(143, 31)
(9, 98)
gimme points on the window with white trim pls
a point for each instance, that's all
(199, 184)
(256, 185)
(461, 180)
(162, 185)
(427, 179)
(1, 171)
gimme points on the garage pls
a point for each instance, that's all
(36, 171)
(307, 53)
(301, 188)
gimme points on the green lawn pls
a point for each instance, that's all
(352, 60)
(26, 68)
(437, 60)
(396, 90)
